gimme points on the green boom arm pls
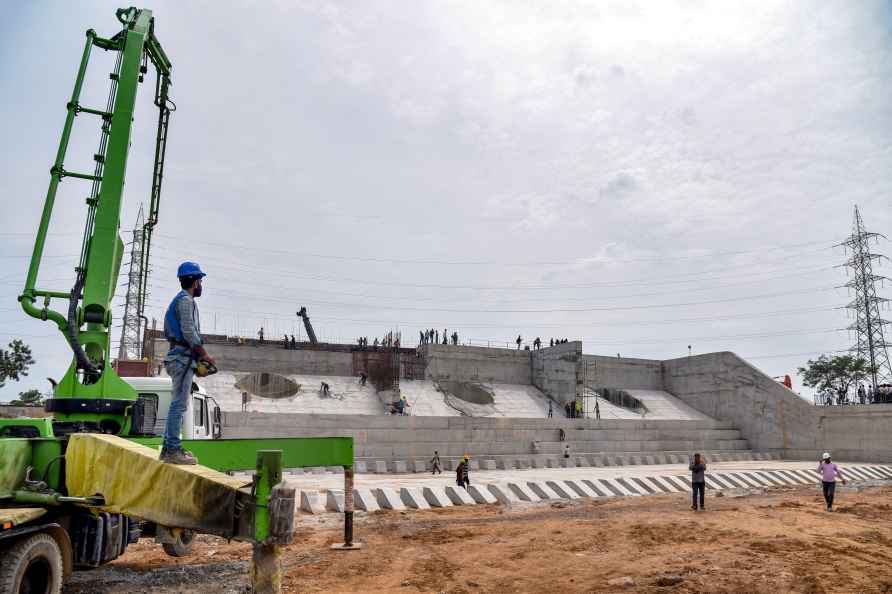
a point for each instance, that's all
(91, 391)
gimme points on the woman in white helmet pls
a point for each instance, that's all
(829, 472)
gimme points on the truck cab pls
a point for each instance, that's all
(202, 419)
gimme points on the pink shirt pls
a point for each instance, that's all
(829, 472)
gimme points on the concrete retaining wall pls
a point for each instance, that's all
(615, 372)
(771, 417)
(464, 363)
(557, 371)
(254, 358)
(389, 438)
(861, 433)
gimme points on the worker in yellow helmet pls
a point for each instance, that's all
(462, 471)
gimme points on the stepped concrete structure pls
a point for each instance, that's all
(493, 403)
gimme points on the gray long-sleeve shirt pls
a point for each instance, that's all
(698, 472)
(186, 312)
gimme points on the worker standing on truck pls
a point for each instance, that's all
(182, 329)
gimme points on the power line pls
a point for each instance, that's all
(677, 278)
(427, 262)
(589, 309)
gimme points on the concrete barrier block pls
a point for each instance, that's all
(334, 501)
(598, 488)
(505, 464)
(523, 464)
(457, 495)
(419, 466)
(542, 490)
(311, 502)
(553, 463)
(619, 461)
(597, 461)
(563, 490)
(364, 500)
(568, 463)
(717, 458)
(388, 499)
(474, 464)
(582, 489)
(523, 492)
(538, 463)
(359, 467)
(380, 467)
(413, 498)
(649, 460)
(503, 494)
(480, 494)
(399, 466)
(581, 461)
(436, 497)
(488, 465)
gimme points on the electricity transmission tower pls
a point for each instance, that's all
(131, 329)
(870, 343)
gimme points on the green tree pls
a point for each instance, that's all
(31, 397)
(834, 374)
(15, 361)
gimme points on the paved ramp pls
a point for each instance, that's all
(347, 396)
(660, 405)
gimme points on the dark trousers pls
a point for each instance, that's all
(829, 491)
(695, 489)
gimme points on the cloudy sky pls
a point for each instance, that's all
(640, 176)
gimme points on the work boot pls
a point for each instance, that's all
(177, 456)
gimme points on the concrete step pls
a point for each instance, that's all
(458, 448)
(577, 459)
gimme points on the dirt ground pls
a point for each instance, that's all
(776, 542)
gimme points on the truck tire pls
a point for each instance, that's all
(183, 545)
(32, 565)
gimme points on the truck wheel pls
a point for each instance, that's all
(32, 565)
(182, 546)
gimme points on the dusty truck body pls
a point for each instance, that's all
(78, 486)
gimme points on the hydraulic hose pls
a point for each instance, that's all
(83, 361)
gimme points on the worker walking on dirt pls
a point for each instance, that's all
(245, 400)
(260, 334)
(181, 327)
(697, 466)
(462, 472)
(518, 341)
(578, 407)
(550, 410)
(363, 377)
(829, 472)
(435, 463)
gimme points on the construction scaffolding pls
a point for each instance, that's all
(870, 343)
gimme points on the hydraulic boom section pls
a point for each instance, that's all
(91, 395)
(302, 314)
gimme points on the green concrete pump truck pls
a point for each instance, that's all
(79, 486)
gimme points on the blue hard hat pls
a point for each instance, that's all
(190, 269)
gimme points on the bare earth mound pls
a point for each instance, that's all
(775, 543)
